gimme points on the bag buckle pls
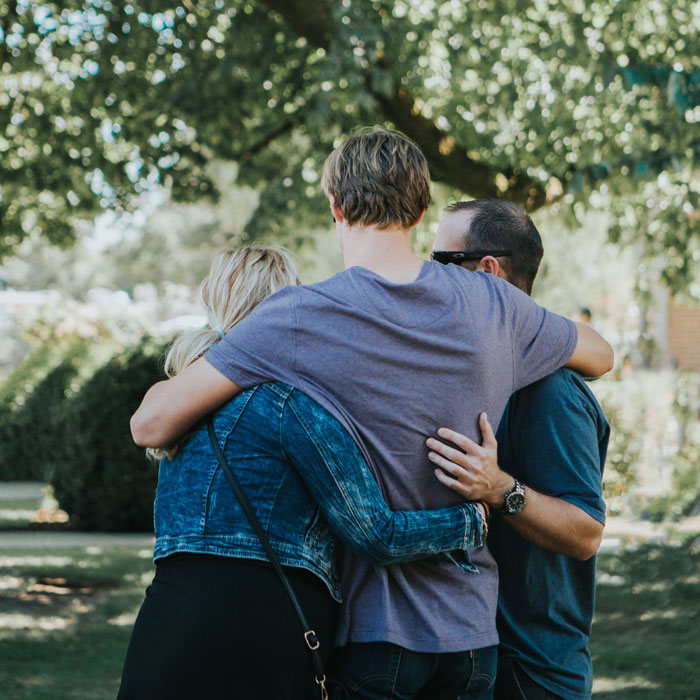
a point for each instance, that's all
(322, 683)
(312, 642)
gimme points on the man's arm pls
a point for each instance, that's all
(557, 526)
(171, 407)
(592, 356)
(331, 465)
(550, 523)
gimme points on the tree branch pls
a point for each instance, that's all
(250, 151)
(449, 162)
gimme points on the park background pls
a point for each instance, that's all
(139, 138)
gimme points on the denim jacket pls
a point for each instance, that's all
(309, 485)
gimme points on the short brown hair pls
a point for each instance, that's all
(503, 225)
(378, 178)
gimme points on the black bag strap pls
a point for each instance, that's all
(310, 637)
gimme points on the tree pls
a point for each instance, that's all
(595, 104)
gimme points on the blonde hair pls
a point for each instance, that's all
(378, 178)
(237, 282)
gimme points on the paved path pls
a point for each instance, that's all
(17, 490)
(73, 540)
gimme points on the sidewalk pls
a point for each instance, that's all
(16, 490)
(73, 540)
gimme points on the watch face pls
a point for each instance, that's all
(514, 502)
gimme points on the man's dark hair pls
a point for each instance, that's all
(497, 224)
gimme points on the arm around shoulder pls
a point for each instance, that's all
(173, 406)
(593, 356)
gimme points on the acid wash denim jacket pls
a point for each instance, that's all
(309, 485)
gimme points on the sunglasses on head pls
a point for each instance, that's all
(457, 257)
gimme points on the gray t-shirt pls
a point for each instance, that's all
(394, 362)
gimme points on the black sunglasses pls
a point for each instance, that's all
(445, 257)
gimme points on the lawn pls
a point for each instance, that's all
(65, 620)
(66, 616)
(646, 634)
(18, 512)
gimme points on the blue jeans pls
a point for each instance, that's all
(514, 684)
(383, 671)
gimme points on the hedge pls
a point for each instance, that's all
(100, 477)
(32, 402)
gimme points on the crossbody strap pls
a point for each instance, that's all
(310, 637)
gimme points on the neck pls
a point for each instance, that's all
(387, 253)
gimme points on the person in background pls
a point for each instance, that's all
(544, 482)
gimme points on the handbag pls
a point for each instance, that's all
(310, 638)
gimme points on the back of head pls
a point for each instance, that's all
(237, 282)
(497, 224)
(378, 178)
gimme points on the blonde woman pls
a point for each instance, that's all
(216, 622)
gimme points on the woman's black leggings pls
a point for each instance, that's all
(217, 627)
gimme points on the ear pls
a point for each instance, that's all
(420, 217)
(335, 211)
(491, 265)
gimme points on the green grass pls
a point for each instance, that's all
(646, 634)
(18, 512)
(65, 620)
(66, 617)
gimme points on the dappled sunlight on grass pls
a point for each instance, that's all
(34, 560)
(65, 620)
(9, 582)
(16, 516)
(610, 580)
(23, 621)
(662, 615)
(648, 602)
(612, 684)
(11, 508)
(123, 620)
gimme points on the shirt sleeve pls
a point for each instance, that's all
(332, 467)
(561, 457)
(261, 347)
(542, 341)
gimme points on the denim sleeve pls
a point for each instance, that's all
(336, 474)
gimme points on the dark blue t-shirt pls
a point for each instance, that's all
(553, 437)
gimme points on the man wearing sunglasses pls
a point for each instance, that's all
(392, 346)
(552, 442)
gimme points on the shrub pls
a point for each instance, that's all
(31, 404)
(100, 478)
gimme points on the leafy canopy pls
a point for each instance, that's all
(585, 104)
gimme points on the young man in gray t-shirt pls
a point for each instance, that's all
(394, 346)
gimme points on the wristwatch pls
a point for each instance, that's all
(514, 500)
